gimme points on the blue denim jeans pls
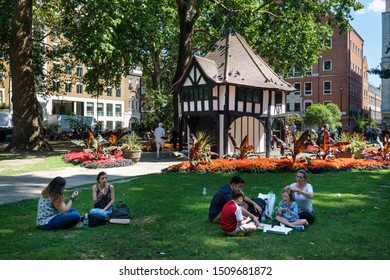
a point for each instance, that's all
(63, 220)
(99, 212)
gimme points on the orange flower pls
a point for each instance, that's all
(260, 165)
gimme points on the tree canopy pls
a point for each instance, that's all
(113, 36)
(319, 115)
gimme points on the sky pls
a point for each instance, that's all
(368, 24)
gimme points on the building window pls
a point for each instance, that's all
(80, 88)
(328, 43)
(79, 71)
(308, 88)
(118, 92)
(327, 102)
(109, 125)
(109, 91)
(327, 87)
(278, 97)
(307, 104)
(109, 110)
(68, 69)
(138, 85)
(130, 84)
(194, 94)
(327, 65)
(2, 75)
(56, 66)
(56, 85)
(134, 104)
(2, 97)
(118, 110)
(297, 87)
(100, 110)
(249, 95)
(90, 109)
(118, 125)
(297, 107)
(287, 107)
(68, 87)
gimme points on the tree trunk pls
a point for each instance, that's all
(27, 125)
(189, 12)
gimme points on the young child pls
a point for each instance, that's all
(287, 212)
(232, 221)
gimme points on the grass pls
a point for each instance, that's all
(24, 165)
(169, 222)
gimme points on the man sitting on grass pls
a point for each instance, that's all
(223, 195)
(232, 221)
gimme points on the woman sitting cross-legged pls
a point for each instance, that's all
(103, 195)
(53, 212)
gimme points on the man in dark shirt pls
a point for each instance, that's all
(223, 195)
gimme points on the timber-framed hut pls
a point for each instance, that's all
(231, 90)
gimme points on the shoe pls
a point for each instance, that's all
(299, 228)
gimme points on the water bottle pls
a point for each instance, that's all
(86, 221)
(263, 216)
(204, 191)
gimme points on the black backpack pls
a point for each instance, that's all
(95, 220)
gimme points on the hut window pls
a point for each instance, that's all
(278, 98)
(195, 94)
(249, 95)
(241, 94)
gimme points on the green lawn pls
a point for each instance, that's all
(19, 164)
(170, 222)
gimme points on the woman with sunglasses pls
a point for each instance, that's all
(53, 212)
(303, 193)
(103, 195)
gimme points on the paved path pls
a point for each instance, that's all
(29, 185)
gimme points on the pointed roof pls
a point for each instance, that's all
(232, 61)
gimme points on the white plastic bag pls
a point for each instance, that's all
(270, 199)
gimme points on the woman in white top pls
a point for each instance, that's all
(303, 192)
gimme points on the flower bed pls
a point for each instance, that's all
(262, 165)
(88, 160)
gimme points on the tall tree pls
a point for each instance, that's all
(27, 131)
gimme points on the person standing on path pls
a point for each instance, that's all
(159, 135)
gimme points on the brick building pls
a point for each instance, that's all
(340, 77)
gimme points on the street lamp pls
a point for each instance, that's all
(341, 100)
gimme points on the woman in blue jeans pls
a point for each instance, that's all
(53, 212)
(103, 196)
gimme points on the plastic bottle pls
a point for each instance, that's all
(86, 221)
(204, 191)
(263, 216)
(266, 207)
